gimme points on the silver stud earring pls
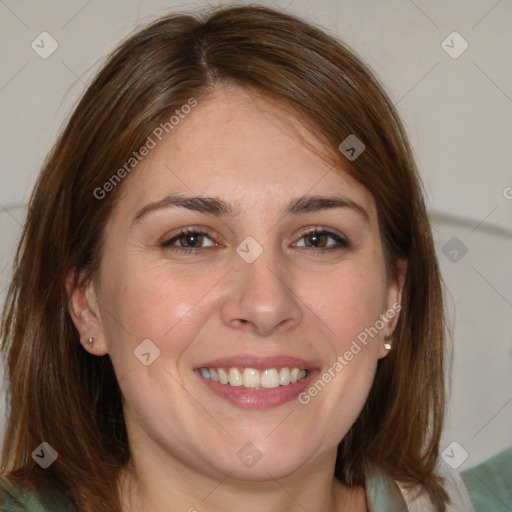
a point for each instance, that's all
(90, 342)
(387, 343)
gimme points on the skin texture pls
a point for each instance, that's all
(292, 300)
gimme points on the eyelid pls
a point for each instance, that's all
(333, 233)
(166, 240)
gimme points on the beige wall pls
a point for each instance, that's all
(458, 112)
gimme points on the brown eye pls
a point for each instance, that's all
(316, 239)
(189, 240)
(319, 239)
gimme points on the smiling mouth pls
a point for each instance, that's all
(252, 378)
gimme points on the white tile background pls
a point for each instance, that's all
(458, 113)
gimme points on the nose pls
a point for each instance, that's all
(260, 297)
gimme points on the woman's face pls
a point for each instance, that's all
(251, 286)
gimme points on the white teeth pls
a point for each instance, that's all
(254, 379)
(223, 376)
(270, 379)
(251, 378)
(235, 377)
(284, 376)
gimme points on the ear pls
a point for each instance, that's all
(393, 304)
(85, 313)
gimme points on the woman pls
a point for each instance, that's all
(226, 289)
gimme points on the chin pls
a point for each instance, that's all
(253, 465)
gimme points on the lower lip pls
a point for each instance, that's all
(259, 398)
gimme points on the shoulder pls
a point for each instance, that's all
(14, 498)
(489, 484)
(388, 495)
(452, 484)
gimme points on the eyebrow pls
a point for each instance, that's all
(218, 207)
(209, 205)
(306, 204)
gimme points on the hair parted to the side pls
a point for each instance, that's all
(60, 394)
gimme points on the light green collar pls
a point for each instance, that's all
(382, 493)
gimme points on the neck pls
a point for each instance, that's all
(161, 484)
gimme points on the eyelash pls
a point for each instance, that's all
(185, 250)
(343, 243)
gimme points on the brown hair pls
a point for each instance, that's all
(61, 394)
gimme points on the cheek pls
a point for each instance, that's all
(348, 302)
(155, 303)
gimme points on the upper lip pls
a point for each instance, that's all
(259, 363)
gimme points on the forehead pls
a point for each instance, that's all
(241, 146)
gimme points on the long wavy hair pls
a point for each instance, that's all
(60, 394)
